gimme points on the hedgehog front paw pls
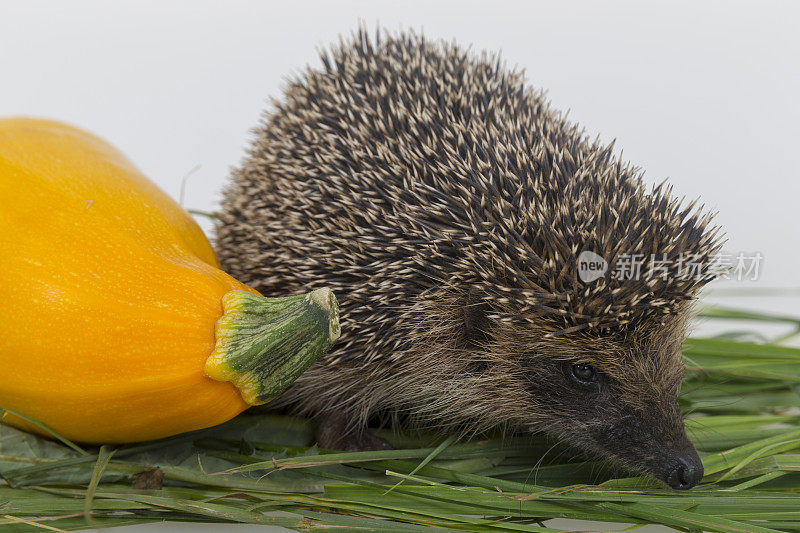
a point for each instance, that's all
(333, 433)
(364, 441)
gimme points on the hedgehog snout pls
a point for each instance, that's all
(656, 444)
(675, 463)
(687, 471)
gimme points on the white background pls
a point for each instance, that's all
(706, 94)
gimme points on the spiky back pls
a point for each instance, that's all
(402, 167)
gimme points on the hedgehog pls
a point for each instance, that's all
(454, 213)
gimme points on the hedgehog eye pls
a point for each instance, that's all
(583, 373)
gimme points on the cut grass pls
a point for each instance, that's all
(743, 406)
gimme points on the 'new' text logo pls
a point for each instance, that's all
(591, 266)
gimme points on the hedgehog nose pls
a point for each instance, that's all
(687, 473)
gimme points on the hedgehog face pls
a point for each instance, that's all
(617, 395)
(626, 417)
(610, 393)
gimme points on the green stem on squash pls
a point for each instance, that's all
(264, 344)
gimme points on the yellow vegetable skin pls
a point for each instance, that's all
(112, 295)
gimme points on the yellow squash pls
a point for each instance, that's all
(117, 324)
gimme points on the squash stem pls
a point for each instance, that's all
(264, 344)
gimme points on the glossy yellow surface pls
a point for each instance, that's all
(110, 293)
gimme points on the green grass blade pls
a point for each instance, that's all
(439, 449)
(103, 457)
(46, 429)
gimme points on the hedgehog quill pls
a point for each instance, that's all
(446, 203)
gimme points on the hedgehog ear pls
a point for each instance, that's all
(476, 317)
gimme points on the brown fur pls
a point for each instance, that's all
(445, 203)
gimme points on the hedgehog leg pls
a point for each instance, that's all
(334, 433)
